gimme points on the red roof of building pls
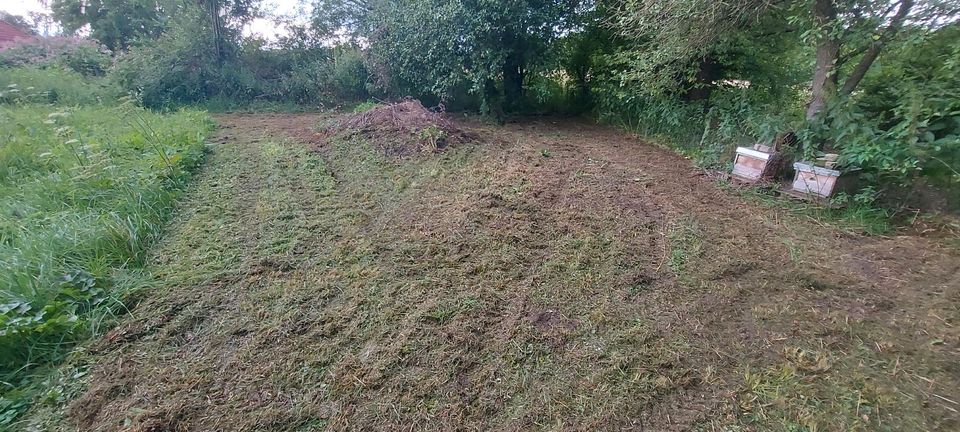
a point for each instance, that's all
(9, 33)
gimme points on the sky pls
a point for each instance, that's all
(262, 26)
(22, 7)
(286, 8)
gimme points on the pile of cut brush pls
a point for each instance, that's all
(402, 129)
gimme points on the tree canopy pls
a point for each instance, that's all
(436, 47)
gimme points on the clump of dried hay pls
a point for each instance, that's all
(402, 129)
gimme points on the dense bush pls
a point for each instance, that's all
(83, 56)
(911, 107)
(182, 69)
(178, 68)
(54, 85)
(323, 76)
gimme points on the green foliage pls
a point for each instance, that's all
(335, 75)
(180, 68)
(365, 106)
(60, 86)
(739, 72)
(433, 137)
(413, 52)
(581, 56)
(79, 55)
(912, 100)
(83, 192)
(667, 119)
(193, 58)
(672, 36)
(115, 23)
(435, 47)
(347, 77)
(906, 123)
(177, 68)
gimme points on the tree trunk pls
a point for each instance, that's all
(871, 54)
(512, 81)
(492, 106)
(824, 85)
(708, 71)
(217, 25)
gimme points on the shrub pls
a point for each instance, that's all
(180, 68)
(83, 56)
(54, 85)
(348, 75)
(336, 75)
(167, 73)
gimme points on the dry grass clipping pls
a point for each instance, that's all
(402, 129)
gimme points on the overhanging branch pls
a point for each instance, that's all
(872, 50)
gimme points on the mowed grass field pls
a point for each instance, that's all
(548, 275)
(85, 189)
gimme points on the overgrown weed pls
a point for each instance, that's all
(84, 191)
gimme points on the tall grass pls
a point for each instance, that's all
(55, 86)
(84, 190)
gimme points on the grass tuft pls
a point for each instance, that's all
(686, 244)
(84, 191)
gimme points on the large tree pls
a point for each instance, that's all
(851, 34)
(434, 46)
(847, 36)
(118, 24)
(115, 23)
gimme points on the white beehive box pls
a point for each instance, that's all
(814, 180)
(751, 165)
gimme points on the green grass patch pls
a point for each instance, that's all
(84, 192)
(814, 390)
(686, 244)
(366, 106)
(54, 86)
(854, 216)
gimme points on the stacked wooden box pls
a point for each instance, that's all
(752, 164)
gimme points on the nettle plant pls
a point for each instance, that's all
(24, 324)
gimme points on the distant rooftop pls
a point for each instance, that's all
(9, 33)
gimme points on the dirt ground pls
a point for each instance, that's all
(552, 275)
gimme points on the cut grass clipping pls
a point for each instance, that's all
(83, 192)
(686, 244)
